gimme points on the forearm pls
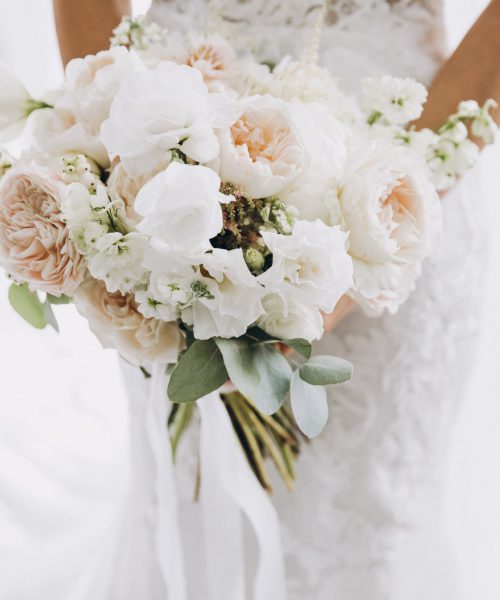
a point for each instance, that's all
(472, 72)
(85, 26)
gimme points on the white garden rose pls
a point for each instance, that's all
(181, 208)
(313, 259)
(261, 153)
(117, 260)
(58, 132)
(286, 317)
(92, 82)
(315, 192)
(159, 110)
(116, 322)
(393, 215)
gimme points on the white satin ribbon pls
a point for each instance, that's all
(228, 489)
(167, 534)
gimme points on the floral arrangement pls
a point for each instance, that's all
(203, 211)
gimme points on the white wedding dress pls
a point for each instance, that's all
(365, 522)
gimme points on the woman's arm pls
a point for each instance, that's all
(85, 26)
(471, 73)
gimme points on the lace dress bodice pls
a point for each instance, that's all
(365, 521)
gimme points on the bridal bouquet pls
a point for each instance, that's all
(203, 211)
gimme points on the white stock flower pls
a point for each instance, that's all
(6, 162)
(394, 99)
(159, 110)
(286, 317)
(313, 259)
(483, 125)
(393, 215)
(85, 214)
(117, 260)
(92, 82)
(450, 159)
(261, 153)
(181, 208)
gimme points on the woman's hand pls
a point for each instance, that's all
(85, 26)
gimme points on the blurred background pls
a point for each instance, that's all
(63, 413)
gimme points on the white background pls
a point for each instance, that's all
(63, 417)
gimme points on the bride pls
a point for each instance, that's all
(365, 522)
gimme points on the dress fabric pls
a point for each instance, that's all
(365, 522)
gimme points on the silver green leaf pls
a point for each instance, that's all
(275, 375)
(27, 304)
(325, 370)
(301, 346)
(199, 371)
(309, 406)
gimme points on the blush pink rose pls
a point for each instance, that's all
(116, 322)
(34, 242)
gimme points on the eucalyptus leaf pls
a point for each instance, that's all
(50, 316)
(199, 371)
(309, 405)
(239, 358)
(301, 346)
(275, 375)
(59, 299)
(325, 370)
(27, 304)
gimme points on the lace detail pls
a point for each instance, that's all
(369, 489)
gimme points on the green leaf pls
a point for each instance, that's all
(239, 358)
(309, 405)
(27, 304)
(62, 299)
(199, 371)
(50, 316)
(275, 375)
(324, 370)
(301, 346)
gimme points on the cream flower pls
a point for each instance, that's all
(116, 322)
(92, 83)
(34, 241)
(211, 55)
(163, 109)
(261, 153)
(393, 215)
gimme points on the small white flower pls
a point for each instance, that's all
(6, 162)
(286, 317)
(450, 160)
(181, 208)
(117, 260)
(313, 259)
(163, 109)
(483, 125)
(394, 99)
(138, 33)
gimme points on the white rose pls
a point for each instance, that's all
(58, 132)
(261, 153)
(92, 82)
(159, 110)
(393, 215)
(181, 208)
(313, 259)
(314, 193)
(286, 317)
(117, 260)
(116, 322)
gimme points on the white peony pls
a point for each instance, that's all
(393, 215)
(261, 153)
(181, 208)
(159, 110)
(393, 99)
(92, 82)
(117, 260)
(286, 317)
(313, 259)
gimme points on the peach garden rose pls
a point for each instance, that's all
(34, 242)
